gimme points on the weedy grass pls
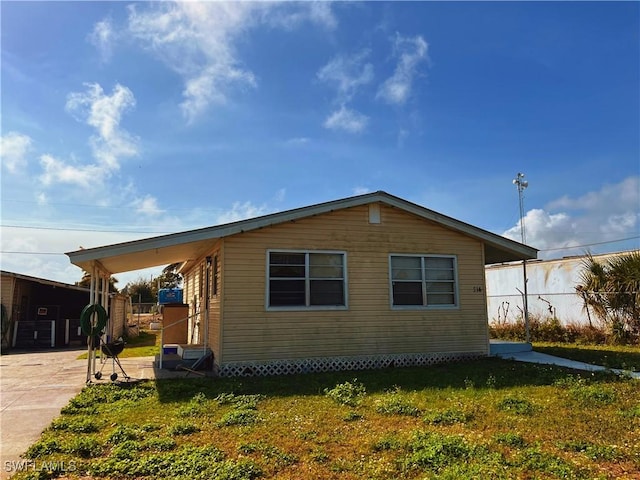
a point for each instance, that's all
(484, 419)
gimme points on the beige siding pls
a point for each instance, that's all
(190, 298)
(369, 326)
(214, 307)
(117, 316)
(194, 291)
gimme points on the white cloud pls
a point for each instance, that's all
(291, 15)
(147, 206)
(14, 147)
(347, 120)
(241, 211)
(104, 113)
(57, 171)
(296, 141)
(361, 190)
(109, 145)
(347, 74)
(410, 52)
(280, 195)
(198, 41)
(102, 37)
(609, 214)
(54, 265)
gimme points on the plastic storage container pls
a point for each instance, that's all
(169, 295)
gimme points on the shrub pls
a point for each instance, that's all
(388, 442)
(394, 404)
(195, 407)
(193, 463)
(352, 416)
(238, 417)
(122, 433)
(347, 393)
(549, 330)
(241, 401)
(448, 417)
(511, 439)
(42, 447)
(535, 459)
(86, 425)
(519, 406)
(183, 428)
(85, 447)
(433, 451)
(588, 394)
(607, 453)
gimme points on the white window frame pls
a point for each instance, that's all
(307, 280)
(425, 305)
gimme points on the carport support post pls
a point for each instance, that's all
(92, 297)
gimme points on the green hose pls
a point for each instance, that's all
(86, 319)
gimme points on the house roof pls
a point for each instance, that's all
(190, 245)
(43, 281)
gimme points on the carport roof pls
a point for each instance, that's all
(191, 245)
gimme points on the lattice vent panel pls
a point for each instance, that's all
(288, 367)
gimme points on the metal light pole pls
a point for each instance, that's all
(521, 184)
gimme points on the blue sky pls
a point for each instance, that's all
(126, 120)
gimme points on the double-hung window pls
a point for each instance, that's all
(423, 281)
(306, 279)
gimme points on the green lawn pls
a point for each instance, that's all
(487, 419)
(626, 357)
(146, 344)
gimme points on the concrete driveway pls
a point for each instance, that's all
(34, 386)
(33, 389)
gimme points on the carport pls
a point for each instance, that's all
(103, 262)
(41, 313)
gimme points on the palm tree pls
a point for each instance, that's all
(85, 282)
(612, 291)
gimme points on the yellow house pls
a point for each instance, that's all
(363, 282)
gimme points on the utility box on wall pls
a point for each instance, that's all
(170, 315)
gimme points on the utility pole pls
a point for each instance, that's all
(521, 184)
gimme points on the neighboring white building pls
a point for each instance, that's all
(551, 289)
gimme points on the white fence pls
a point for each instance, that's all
(551, 289)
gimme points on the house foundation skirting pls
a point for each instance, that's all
(287, 367)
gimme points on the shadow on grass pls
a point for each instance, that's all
(144, 339)
(626, 359)
(484, 373)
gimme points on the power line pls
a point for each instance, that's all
(81, 229)
(590, 244)
(32, 253)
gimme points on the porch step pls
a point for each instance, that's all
(503, 347)
(172, 361)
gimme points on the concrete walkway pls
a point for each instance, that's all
(523, 352)
(34, 386)
(543, 358)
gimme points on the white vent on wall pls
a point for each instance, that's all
(374, 213)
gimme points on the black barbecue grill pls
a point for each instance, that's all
(112, 350)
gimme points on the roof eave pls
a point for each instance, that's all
(499, 248)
